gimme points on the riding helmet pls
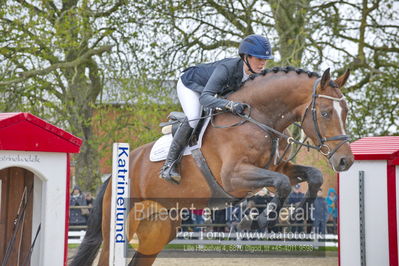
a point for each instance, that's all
(256, 45)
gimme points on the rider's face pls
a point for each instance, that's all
(256, 64)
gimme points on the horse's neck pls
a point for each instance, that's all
(277, 102)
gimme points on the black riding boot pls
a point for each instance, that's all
(170, 171)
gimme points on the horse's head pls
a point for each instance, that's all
(324, 121)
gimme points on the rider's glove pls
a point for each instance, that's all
(235, 108)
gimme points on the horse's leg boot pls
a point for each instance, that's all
(170, 171)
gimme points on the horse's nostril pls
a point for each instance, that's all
(342, 162)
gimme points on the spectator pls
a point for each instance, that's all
(77, 199)
(89, 199)
(296, 196)
(255, 216)
(294, 199)
(332, 210)
(261, 200)
(320, 214)
(89, 202)
(186, 220)
(233, 218)
(219, 218)
(198, 219)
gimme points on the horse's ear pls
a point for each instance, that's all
(325, 79)
(340, 81)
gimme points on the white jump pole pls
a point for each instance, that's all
(119, 205)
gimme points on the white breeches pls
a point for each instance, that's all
(189, 101)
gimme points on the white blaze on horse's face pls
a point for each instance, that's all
(340, 110)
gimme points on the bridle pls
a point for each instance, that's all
(322, 140)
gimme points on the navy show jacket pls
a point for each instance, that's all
(214, 78)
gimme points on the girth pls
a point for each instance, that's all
(219, 197)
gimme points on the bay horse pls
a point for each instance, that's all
(236, 156)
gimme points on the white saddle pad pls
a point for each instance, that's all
(161, 147)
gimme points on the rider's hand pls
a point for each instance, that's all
(236, 108)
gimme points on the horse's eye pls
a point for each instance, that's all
(324, 114)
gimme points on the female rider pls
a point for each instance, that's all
(198, 85)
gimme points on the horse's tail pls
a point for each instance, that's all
(92, 241)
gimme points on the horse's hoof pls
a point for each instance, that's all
(245, 224)
(265, 221)
(266, 225)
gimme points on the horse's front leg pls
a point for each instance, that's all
(247, 177)
(301, 173)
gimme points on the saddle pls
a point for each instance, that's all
(220, 198)
(176, 118)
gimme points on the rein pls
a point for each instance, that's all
(290, 140)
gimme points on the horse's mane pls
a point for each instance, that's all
(282, 69)
(286, 70)
(250, 92)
